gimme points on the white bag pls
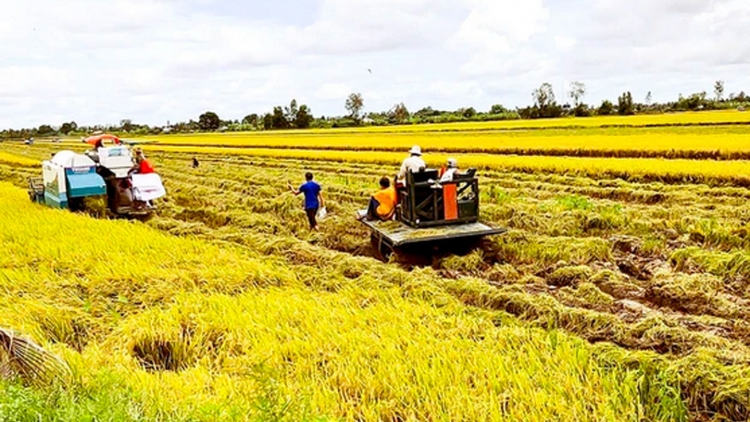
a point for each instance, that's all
(147, 187)
(321, 214)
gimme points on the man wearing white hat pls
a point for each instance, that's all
(413, 164)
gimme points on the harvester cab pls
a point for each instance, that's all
(431, 215)
(69, 177)
(127, 194)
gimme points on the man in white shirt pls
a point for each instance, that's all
(413, 164)
(450, 171)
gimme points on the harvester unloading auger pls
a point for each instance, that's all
(104, 171)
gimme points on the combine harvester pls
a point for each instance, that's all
(105, 171)
(431, 216)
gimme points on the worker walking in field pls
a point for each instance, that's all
(383, 203)
(413, 164)
(313, 198)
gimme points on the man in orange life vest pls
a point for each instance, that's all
(383, 203)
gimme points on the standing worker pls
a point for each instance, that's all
(413, 164)
(313, 198)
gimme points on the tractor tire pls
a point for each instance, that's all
(381, 250)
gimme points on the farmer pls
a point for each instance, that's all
(313, 198)
(382, 203)
(451, 169)
(195, 163)
(413, 164)
(142, 165)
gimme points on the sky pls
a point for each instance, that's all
(98, 62)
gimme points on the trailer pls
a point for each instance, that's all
(431, 215)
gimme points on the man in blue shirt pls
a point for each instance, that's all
(313, 198)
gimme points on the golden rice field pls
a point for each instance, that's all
(662, 143)
(730, 172)
(620, 291)
(208, 331)
(728, 139)
(671, 119)
(729, 117)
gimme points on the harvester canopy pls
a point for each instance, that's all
(97, 141)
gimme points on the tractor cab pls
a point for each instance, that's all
(431, 214)
(424, 202)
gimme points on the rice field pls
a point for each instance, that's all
(586, 142)
(703, 118)
(619, 293)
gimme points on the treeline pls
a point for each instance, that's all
(300, 116)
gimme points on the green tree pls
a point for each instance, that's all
(625, 105)
(719, 90)
(399, 114)
(544, 103)
(278, 119)
(606, 109)
(251, 119)
(303, 117)
(291, 112)
(126, 125)
(467, 113)
(209, 121)
(268, 121)
(45, 130)
(498, 109)
(354, 105)
(695, 101)
(544, 95)
(577, 92)
(66, 128)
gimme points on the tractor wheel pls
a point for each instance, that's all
(382, 251)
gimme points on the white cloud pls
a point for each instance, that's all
(333, 91)
(158, 60)
(500, 24)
